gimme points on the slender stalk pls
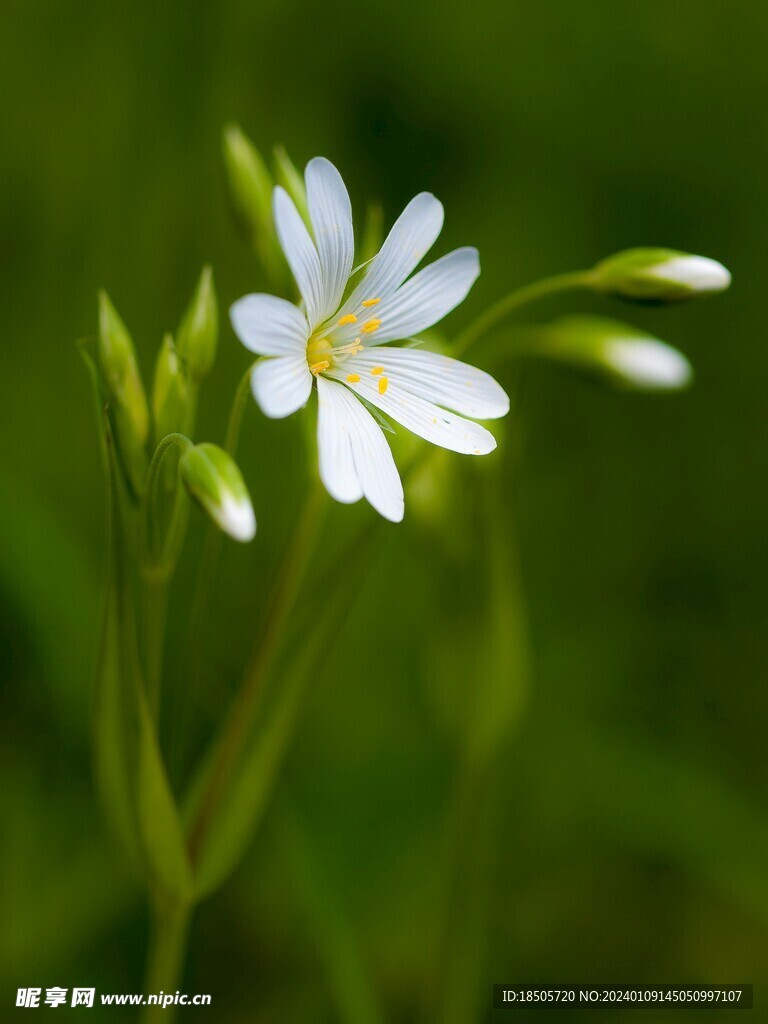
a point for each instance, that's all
(236, 412)
(212, 544)
(165, 959)
(240, 719)
(514, 301)
(159, 557)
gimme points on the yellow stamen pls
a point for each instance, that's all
(353, 378)
(383, 384)
(319, 367)
(377, 370)
(350, 318)
(371, 325)
(371, 302)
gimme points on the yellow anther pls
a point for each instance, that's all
(383, 384)
(371, 302)
(353, 378)
(350, 318)
(377, 370)
(371, 325)
(319, 367)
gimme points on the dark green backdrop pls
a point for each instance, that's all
(630, 808)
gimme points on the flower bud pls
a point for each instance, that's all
(120, 371)
(250, 185)
(627, 357)
(199, 329)
(293, 182)
(658, 276)
(170, 393)
(212, 478)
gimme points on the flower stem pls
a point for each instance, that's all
(236, 412)
(165, 960)
(516, 300)
(240, 719)
(159, 557)
(212, 546)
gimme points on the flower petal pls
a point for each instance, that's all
(412, 236)
(331, 213)
(281, 385)
(418, 415)
(436, 378)
(300, 252)
(269, 326)
(427, 297)
(346, 429)
(337, 465)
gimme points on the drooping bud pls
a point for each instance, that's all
(627, 357)
(170, 393)
(120, 371)
(199, 329)
(656, 276)
(213, 479)
(288, 176)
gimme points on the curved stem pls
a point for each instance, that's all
(236, 412)
(514, 301)
(240, 719)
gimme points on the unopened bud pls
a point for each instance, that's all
(213, 479)
(250, 185)
(626, 356)
(170, 393)
(119, 368)
(292, 181)
(658, 276)
(199, 329)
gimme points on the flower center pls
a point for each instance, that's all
(322, 354)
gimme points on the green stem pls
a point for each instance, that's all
(159, 557)
(514, 301)
(236, 412)
(240, 719)
(212, 546)
(165, 960)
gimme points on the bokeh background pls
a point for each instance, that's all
(606, 570)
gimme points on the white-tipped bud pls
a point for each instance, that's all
(622, 354)
(656, 276)
(213, 479)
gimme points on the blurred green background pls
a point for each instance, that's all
(619, 832)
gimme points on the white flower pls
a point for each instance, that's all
(335, 344)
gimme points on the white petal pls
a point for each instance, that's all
(331, 213)
(439, 379)
(422, 417)
(337, 466)
(269, 326)
(427, 297)
(281, 385)
(412, 236)
(344, 428)
(300, 252)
